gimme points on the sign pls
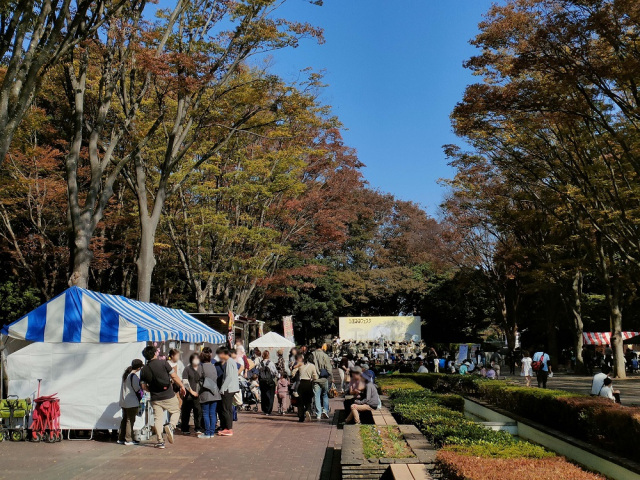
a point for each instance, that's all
(232, 332)
(394, 329)
(287, 326)
(463, 353)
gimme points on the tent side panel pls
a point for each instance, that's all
(86, 377)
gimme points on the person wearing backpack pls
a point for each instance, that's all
(267, 378)
(156, 377)
(540, 365)
(130, 395)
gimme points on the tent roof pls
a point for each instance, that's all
(83, 316)
(271, 340)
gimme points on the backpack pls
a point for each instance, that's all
(539, 364)
(266, 375)
(157, 385)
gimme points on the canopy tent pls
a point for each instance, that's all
(82, 316)
(271, 340)
(604, 338)
(79, 344)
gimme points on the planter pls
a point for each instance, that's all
(355, 465)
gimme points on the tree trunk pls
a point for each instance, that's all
(578, 325)
(146, 261)
(615, 314)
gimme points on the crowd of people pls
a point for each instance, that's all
(212, 387)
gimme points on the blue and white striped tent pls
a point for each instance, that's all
(82, 316)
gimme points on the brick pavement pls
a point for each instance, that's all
(274, 447)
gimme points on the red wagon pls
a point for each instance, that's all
(46, 420)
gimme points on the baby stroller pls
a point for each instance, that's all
(14, 414)
(248, 397)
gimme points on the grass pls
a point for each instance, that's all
(384, 442)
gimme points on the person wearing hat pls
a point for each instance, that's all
(130, 394)
(368, 400)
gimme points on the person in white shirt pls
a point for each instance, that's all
(423, 368)
(598, 381)
(607, 390)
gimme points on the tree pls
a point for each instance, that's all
(34, 36)
(204, 96)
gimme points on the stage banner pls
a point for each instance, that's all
(287, 326)
(463, 353)
(394, 329)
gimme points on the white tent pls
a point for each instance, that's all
(79, 344)
(273, 342)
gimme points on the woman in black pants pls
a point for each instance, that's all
(191, 402)
(268, 379)
(308, 374)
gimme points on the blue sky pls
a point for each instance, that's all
(394, 70)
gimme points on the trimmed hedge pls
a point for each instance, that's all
(469, 451)
(597, 420)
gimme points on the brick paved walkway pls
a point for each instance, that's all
(274, 447)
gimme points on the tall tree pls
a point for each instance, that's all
(34, 36)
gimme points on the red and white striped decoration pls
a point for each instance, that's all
(604, 338)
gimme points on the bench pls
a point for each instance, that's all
(409, 471)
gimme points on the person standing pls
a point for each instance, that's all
(209, 393)
(527, 371)
(267, 378)
(156, 378)
(343, 369)
(321, 385)
(230, 386)
(130, 395)
(191, 403)
(307, 374)
(541, 366)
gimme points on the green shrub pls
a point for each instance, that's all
(593, 419)
(492, 450)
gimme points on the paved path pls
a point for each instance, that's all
(274, 447)
(629, 387)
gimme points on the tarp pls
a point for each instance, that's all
(271, 340)
(86, 376)
(83, 316)
(604, 338)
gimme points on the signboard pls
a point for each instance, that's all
(463, 353)
(287, 326)
(394, 329)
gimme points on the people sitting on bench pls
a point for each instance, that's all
(368, 400)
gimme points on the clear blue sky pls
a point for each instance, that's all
(394, 70)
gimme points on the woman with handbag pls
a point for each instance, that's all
(130, 395)
(209, 393)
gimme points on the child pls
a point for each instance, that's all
(255, 386)
(283, 394)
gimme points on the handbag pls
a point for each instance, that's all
(210, 385)
(237, 398)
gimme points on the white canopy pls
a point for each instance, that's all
(271, 340)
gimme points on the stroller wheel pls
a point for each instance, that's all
(5, 435)
(58, 435)
(50, 437)
(255, 409)
(16, 435)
